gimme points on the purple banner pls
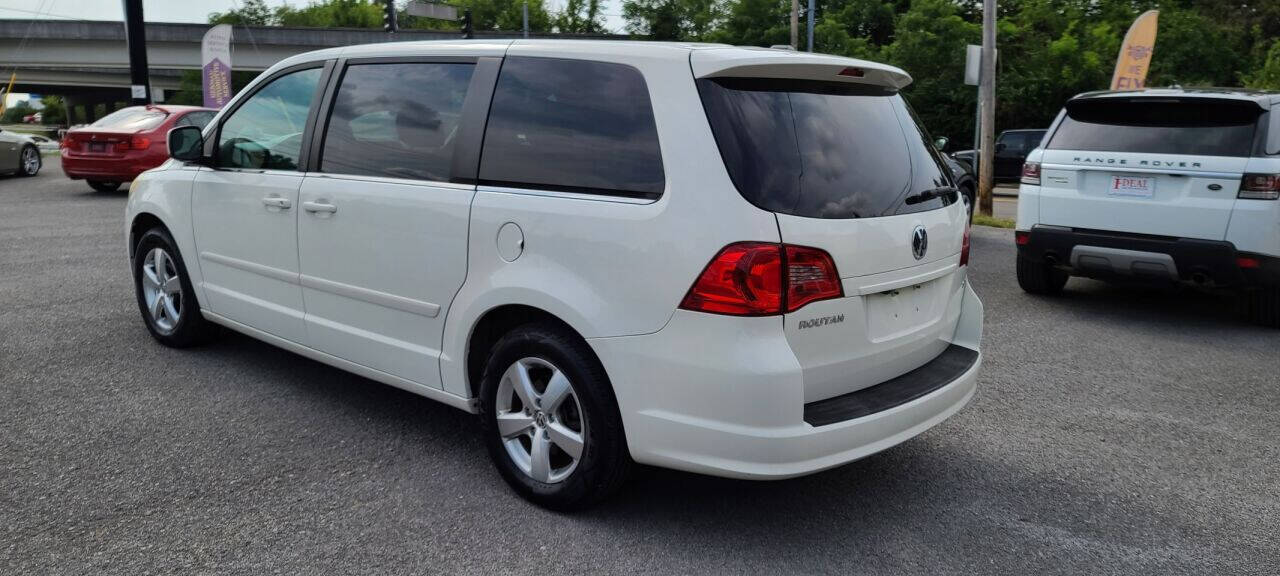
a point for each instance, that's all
(215, 56)
(217, 84)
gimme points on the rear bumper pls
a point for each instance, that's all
(725, 396)
(1157, 259)
(111, 169)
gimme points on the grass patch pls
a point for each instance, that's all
(984, 220)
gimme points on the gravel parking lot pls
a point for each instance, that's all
(1116, 430)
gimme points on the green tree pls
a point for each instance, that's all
(15, 113)
(1267, 77)
(755, 23)
(54, 110)
(249, 13)
(580, 17)
(689, 20)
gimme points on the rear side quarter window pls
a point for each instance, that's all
(572, 125)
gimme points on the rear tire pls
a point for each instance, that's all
(104, 185)
(1264, 306)
(164, 293)
(529, 446)
(1040, 277)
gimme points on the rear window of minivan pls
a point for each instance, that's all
(1193, 126)
(822, 149)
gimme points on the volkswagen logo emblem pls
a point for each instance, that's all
(919, 242)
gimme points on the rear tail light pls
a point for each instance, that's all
(68, 141)
(811, 276)
(1248, 262)
(763, 279)
(1031, 173)
(1022, 237)
(964, 248)
(135, 143)
(1260, 187)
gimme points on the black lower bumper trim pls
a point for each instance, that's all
(1205, 263)
(939, 372)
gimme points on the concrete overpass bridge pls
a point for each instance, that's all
(88, 61)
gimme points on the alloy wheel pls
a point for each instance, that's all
(540, 420)
(162, 290)
(30, 160)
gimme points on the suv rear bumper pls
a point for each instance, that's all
(1117, 255)
(724, 396)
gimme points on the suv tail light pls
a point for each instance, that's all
(1260, 187)
(763, 279)
(1031, 173)
(964, 248)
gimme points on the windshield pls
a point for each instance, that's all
(134, 118)
(1195, 126)
(822, 149)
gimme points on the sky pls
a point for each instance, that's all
(192, 10)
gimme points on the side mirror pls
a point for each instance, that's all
(186, 143)
(941, 143)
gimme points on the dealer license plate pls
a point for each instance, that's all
(1140, 186)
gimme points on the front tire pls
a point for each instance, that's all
(29, 161)
(104, 185)
(550, 419)
(1039, 277)
(165, 297)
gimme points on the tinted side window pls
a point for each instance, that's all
(266, 131)
(198, 119)
(1273, 134)
(572, 125)
(396, 119)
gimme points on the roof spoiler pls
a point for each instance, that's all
(771, 63)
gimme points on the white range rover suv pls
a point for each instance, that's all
(1163, 185)
(739, 262)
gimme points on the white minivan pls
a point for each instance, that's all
(732, 261)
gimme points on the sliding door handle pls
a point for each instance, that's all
(276, 202)
(319, 207)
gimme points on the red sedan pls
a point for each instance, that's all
(125, 143)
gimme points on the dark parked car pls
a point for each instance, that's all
(963, 175)
(1012, 147)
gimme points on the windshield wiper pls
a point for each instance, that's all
(926, 195)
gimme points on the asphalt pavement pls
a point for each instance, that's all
(1116, 430)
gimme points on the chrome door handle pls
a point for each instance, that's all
(314, 207)
(276, 202)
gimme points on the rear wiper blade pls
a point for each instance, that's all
(932, 193)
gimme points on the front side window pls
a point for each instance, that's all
(398, 120)
(266, 131)
(572, 125)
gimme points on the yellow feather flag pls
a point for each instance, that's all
(4, 95)
(1135, 53)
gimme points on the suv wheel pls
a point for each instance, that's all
(104, 185)
(550, 420)
(164, 292)
(1040, 277)
(30, 165)
(1264, 306)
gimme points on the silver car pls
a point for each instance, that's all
(18, 154)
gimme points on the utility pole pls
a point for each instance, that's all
(525, 12)
(468, 31)
(809, 22)
(987, 96)
(135, 35)
(795, 24)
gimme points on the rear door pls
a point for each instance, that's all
(1165, 166)
(383, 221)
(846, 168)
